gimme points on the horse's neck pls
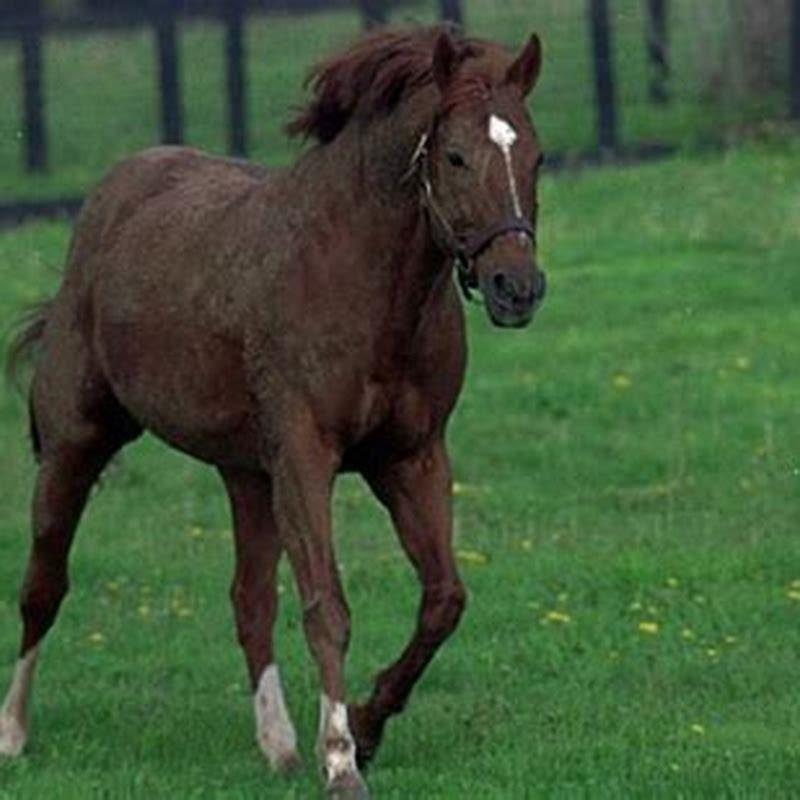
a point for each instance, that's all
(396, 262)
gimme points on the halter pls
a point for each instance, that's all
(464, 249)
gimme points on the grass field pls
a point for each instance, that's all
(102, 103)
(628, 505)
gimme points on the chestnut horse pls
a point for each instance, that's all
(288, 326)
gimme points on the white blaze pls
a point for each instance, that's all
(504, 136)
(274, 730)
(14, 713)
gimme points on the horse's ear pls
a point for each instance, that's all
(446, 58)
(524, 72)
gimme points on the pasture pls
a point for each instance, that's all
(627, 512)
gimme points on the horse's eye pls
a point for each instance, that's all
(456, 159)
(539, 161)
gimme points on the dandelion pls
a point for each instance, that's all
(472, 557)
(687, 633)
(621, 381)
(648, 627)
(97, 638)
(730, 639)
(635, 606)
(526, 544)
(196, 532)
(697, 728)
(559, 617)
(712, 652)
(672, 583)
(793, 594)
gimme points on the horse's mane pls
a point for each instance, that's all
(378, 72)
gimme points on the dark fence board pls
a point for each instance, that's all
(794, 106)
(169, 74)
(600, 27)
(32, 87)
(236, 79)
(658, 50)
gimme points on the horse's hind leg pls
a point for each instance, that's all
(73, 453)
(254, 594)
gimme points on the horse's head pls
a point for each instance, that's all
(480, 164)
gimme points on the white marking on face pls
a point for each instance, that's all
(504, 136)
(14, 713)
(336, 747)
(274, 730)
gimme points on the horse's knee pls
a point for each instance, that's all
(327, 621)
(443, 606)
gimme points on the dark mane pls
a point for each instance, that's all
(375, 74)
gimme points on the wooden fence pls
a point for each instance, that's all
(29, 25)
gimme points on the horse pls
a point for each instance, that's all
(287, 326)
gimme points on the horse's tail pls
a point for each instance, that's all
(25, 339)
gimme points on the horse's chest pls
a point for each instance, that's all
(389, 420)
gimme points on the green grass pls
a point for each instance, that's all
(102, 103)
(628, 500)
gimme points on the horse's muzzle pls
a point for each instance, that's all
(511, 300)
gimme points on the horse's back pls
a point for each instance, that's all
(142, 310)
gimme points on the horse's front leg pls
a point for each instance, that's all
(302, 474)
(418, 494)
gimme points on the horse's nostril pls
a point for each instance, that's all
(500, 282)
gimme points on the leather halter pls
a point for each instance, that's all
(464, 248)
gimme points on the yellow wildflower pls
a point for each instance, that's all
(698, 729)
(560, 617)
(472, 557)
(97, 638)
(648, 627)
(621, 381)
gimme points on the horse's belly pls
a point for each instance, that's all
(185, 386)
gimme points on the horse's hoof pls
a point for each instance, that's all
(287, 763)
(12, 737)
(347, 786)
(367, 736)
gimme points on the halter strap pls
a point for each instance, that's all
(463, 249)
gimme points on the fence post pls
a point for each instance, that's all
(794, 46)
(168, 71)
(603, 75)
(30, 15)
(237, 88)
(451, 11)
(658, 50)
(373, 12)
